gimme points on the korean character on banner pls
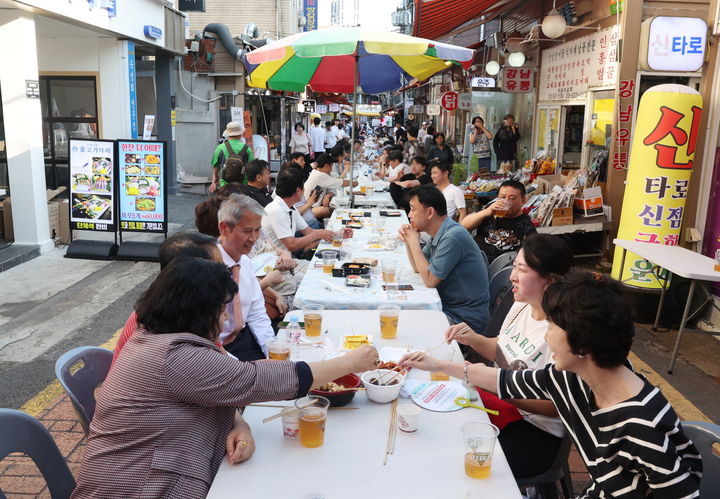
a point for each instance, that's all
(647, 237)
(511, 73)
(603, 41)
(612, 55)
(627, 87)
(601, 58)
(652, 216)
(619, 161)
(625, 113)
(592, 46)
(610, 73)
(525, 85)
(695, 45)
(656, 185)
(681, 189)
(622, 136)
(600, 73)
(511, 84)
(525, 73)
(667, 125)
(671, 240)
(675, 217)
(678, 44)
(640, 270)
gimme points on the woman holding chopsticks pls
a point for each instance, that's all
(628, 435)
(530, 430)
(167, 412)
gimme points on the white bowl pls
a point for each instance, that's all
(380, 393)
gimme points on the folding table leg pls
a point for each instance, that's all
(622, 264)
(663, 287)
(688, 303)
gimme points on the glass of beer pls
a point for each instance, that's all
(313, 413)
(337, 238)
(502, 212)
(363, 189)
(278, 350)
(444, 352)
(389, 316)
(329, 261)
(388, 271)
(313, 320)
(479, 446)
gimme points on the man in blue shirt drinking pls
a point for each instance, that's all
(450, 262)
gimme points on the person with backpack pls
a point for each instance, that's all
(232, 152)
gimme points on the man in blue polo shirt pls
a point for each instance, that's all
(450, 262)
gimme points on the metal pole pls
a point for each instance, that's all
(352, 132)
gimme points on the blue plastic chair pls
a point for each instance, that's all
(704, 436)
(21, 432)
(80, 371)
(499, 285)
(545, 484)
(501, 261)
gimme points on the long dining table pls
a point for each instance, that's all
(319, 288)
(425, 464)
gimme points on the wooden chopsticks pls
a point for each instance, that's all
(392, 431)
(289, 410)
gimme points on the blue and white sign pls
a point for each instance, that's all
(673, 43)
(110, 6)
(310, 11)
(132, 85)
(152, 32)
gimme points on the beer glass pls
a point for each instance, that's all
(278, 350)
(312, 419)
(479, 445)
(329, 261)
(313, 320)
(502, 212)
(444, 352)
(389, 316)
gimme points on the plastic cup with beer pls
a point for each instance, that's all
(313, 320)
(444, 352)
(328, 260)
(278, 350)
(389, 317)
(388, 271)
(337, 237)
(312, 415)
(479, 446)
(502, 211)
(363, 189)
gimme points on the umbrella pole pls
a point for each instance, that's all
(352, 132)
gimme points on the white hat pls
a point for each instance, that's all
(233, 129)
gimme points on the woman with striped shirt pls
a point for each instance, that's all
(626, 431)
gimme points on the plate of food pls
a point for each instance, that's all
(144, 204)
(91, 207)
(152, 159)
(354, 225)
(133, 170)
(375, 246)
(102, 166)
(132, 158)
(152, 170)
(357, 281)
(351, 342)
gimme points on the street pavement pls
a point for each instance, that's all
(50, 305)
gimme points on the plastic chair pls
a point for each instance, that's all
(498, 316)
(80, 383)
(704, 436)
(23, 433)
(499, 285)
(502, 261)
(559, 471)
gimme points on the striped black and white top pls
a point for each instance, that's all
(635, 449)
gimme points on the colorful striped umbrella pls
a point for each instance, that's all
(330, 60)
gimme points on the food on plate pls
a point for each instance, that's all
(355, 225)
(132, 158)
(152, 159)
(82, 182)
(132, 170)
(353, 341)
(152, 170)
(143, 186)
(387, 365)
(332, 387)
(131, 186)
(376, 246)
(101, 183)
(145, 204)
(91, 206)
(357, 280)
(101, 165)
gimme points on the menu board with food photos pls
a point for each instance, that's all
(142, 197)
(91, 166)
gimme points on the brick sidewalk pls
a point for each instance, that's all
(19, 478)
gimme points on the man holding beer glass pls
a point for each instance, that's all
(502, 226)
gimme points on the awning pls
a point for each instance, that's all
(435, 18)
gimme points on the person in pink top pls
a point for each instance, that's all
(181, 244)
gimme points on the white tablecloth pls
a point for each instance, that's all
(318, 288)
(379, 199)
(349, 465)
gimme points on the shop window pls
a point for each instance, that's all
(69, 110)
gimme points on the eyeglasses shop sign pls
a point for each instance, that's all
(673, 43)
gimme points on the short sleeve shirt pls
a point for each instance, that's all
(321, 179)
(496, 236)
(481, 147)
(455, 258)
(221, 153)
(281, 221)
(454, 198)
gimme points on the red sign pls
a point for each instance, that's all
(517, 80)
(450, 101)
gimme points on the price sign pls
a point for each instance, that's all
(450, 101)
(432, 109)
(309, 106)
(92, 203)
(143, 199)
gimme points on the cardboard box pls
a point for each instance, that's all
(547, 182)
(562, 216)
(590, 203)
(53, 214)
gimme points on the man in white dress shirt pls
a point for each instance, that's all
(247, 331)
(282, 220)
(317, 137)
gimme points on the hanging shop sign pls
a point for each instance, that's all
(483, 82)
(661, 161)
(449, 101)
(308, 106)
(142, 186)
(152, 32)
(321, 109)
(310, 12)
(517, 80)
(432, 109)
(92, 200)
(369, 108)
(465, 101)
(673, 43)
(569, 70)
(417, 109)
(334, 108)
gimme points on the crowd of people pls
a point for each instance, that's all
(192, 350)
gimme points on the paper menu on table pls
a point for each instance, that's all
(439, 395)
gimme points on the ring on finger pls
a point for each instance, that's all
(243, 443)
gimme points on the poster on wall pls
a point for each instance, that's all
(661, 161)
(91, 185)
(569, 70)
(142, 186)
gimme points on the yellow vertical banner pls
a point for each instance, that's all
(661, 161)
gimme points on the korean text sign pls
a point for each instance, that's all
(517, 80)
(91, 166)
(673, 43)
(142, 206)
(661, 161)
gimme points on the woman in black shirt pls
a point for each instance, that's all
(440, 150)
